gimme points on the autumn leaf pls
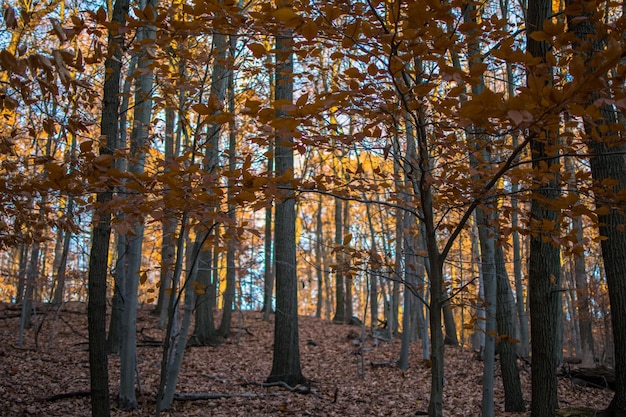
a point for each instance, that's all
(257, 49)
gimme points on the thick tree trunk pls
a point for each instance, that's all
(607, 162)
(286, 357)
(544, 270)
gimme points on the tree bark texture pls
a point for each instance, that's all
(607, 162)
(286, 353)
(544, 270)
(98, 260)
(513, 398)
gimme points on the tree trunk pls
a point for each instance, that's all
(98, 260)
(231, 271)
(410, 283)
(348, 280)
(208, 276)
(168, 227)
(204, 333)
(513, 398)
(607, 162)
(340, 297)
(127, 399)
(319, 258)
(580, 279)
(487, 238)
(544, 270)
(374, 273)
(21, 272)
(27, 300)
(61, 266)
(286, 357)
(268, 279)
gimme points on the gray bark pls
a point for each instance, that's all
(340, 296)
(229, 295)
(319, 258)
(208, 278)
(286, 352)
(141, 125)
(27, 300)
(487, 238)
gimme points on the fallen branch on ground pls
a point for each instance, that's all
(74, 394)
(216, 396)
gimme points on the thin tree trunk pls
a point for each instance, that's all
(208, 277)
(487, 238)
(373, 290)
(349, 309)
(21, 272)
(340, 297)
(98, 260)
(231, 271)
(62, 264)
(27, 300)
(127, 399)
(319, 258)
(168, 227)
(513, 398)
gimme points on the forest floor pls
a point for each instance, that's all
(57, 363)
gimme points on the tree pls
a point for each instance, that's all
(98, 260)
(604, 136)
(286, 353)
(544, 269)
(139, 136)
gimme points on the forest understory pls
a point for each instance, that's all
(54, 362)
